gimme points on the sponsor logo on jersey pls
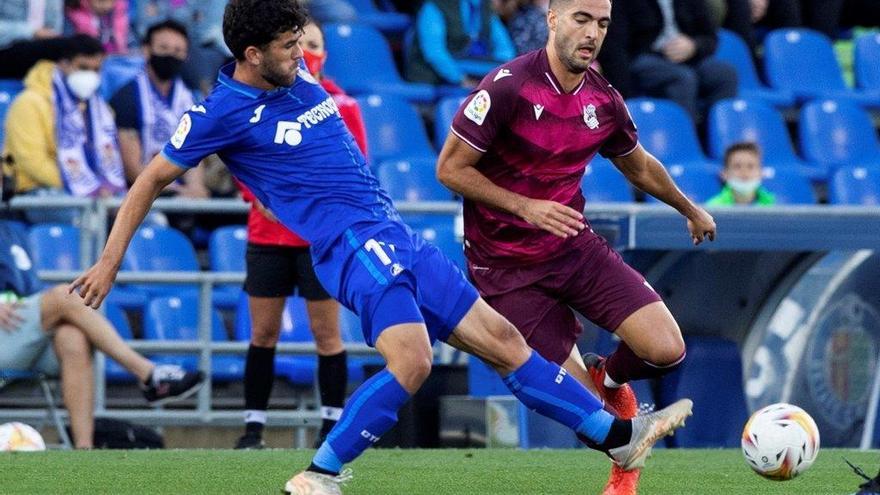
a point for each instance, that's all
(288, 133)
(258, 114)
(539, 109)
(590, 116)
(182, 131)
(318, 113)
(478, 108)
(501, 74)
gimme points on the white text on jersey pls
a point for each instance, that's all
(318, 113)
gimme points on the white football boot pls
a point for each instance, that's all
(647, 430)
(312, 483)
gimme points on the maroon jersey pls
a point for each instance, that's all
(536, 141)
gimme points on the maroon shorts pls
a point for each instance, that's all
(540, 299)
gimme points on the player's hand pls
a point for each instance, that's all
(680, 49)
(10, 319)
(701, 226)
(556, 218)
(94, 285)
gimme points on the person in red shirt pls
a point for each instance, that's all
(278, 262)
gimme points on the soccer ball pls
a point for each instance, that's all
(780, 441)
(20, 437)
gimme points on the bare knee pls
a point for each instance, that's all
(509, 348)
(668, 350)
(411, 369)
(71, 345)
(327, 338)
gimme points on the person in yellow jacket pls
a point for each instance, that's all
(60, 134)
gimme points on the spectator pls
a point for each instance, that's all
(203, 21)
(29, 31)
(663, 48)
(50, 331)
(60, 134)
(149, 107)
(106, 20)
(743, 15)
(526, 22)
(457, 42)
(331, 10)
(742, 178)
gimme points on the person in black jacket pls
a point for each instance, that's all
(663, 49)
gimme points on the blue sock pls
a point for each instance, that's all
(371, 411)
(546, 388)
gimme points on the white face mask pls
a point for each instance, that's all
(83, 83)
(744, 187)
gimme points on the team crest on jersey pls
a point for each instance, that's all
(478, 108)
(182, 131)
(590, 116)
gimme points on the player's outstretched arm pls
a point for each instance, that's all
(456, 169)
(648, 174)
(95, 283)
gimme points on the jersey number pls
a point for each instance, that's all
(288, 132)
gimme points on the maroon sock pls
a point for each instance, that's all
(623, 366)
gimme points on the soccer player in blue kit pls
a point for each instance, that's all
(281, 135)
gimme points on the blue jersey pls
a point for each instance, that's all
(291, 148)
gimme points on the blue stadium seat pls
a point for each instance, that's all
(226, 253)
(9, 89)
(698, 182)
(838, 133)
(395, 130)
(737, 120)
(177, 318)
(855, 186)
(440, 231)
(867, 62)
(55, 246)
(666, 131)
(114, 372)
(802, 61)
(711, 376)
(788, 186)
(603, 183)
(443, 116)
(387, 22)
(117, 71)
(733, 50)
(348, 44)
(412, 180)
(155, 249)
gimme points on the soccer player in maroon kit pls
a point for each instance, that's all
(517, 152)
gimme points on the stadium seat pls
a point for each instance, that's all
(788, 186)
(666, 131)
(603, 183)
(412, 180)
(443, 116)
(867, 62)
(838, 133)
(55, 246)
(802, 61)
(154, 249)
(738, 120)
(699, 183)
(387, 22)
(226, 253)
(348, 45)
(177, 318)
(711, 376)
(440, 231)
(855, 186)
(117, 71)
(114, 372)
(395, 130)
(733, 50)
(9, 89)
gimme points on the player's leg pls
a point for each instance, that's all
(77, 382)
(651, 346)
(271, 277)
(332, 359)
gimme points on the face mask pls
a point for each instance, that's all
(314, 62)
(83, 83)
(166, 67)
(744, 187)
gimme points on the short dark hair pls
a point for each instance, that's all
(80, 44)
(169, 24)
(742, 146)
(258, 22)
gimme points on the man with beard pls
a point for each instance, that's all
(517, 152)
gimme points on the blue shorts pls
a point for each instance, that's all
(389, 275)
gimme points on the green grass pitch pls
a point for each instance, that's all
(412, 472)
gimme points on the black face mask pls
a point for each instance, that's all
(166, 67)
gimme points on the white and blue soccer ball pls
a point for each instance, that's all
(780, 441)
(19, 437)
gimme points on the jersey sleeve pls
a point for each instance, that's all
(625, 137)
(198, 135)
(486, 110)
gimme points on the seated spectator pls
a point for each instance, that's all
(331, 10)
(526, 22)
(51, 331)
(742, 178)
(106, 20)
(457, 42)
(29, 31)
(60, 133)
(663, 49)
(149, 107)
(743, 15)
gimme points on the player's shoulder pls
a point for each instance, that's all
(512, 75)
(599, 83)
